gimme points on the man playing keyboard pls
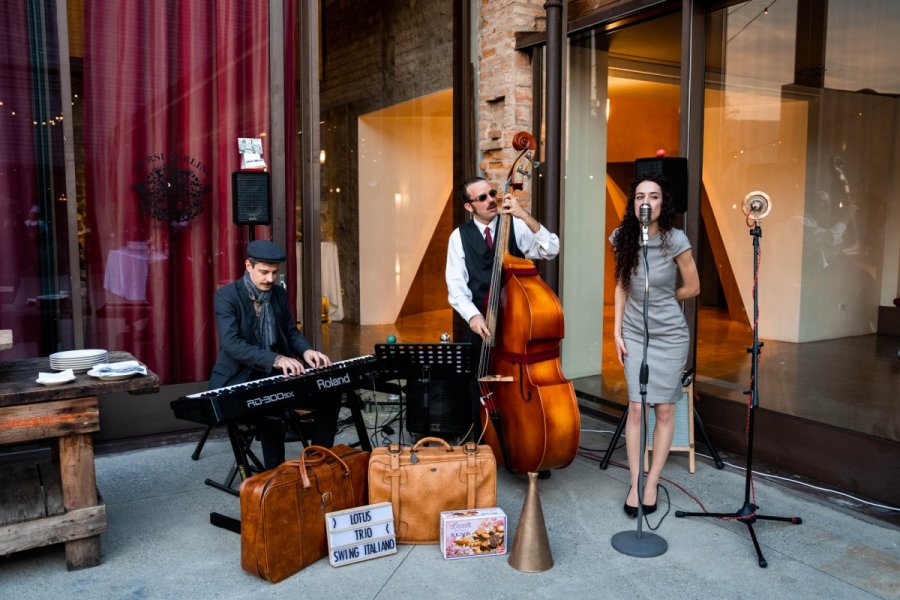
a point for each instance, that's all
(258, 338)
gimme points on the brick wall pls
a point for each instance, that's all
(376, 54)
(505, 81)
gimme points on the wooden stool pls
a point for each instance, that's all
(683, 438)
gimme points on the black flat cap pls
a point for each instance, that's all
(265, 251)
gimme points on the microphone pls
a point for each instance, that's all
(645, 222)
(756, 205)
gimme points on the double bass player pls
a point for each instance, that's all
(470, 257)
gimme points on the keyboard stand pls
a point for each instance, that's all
(240, 444)
(352, 401)
(243, 456)
(202, 442)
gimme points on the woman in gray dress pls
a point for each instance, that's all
(668, 255)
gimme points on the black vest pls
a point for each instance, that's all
(480, 259)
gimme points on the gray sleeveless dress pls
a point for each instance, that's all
(669, 337)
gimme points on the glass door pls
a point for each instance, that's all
(624, 97)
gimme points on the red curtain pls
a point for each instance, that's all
(169, 86)
(20, 216)
(290, 157)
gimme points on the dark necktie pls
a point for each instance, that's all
(487, 238)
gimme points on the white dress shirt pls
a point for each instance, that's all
(542, 244)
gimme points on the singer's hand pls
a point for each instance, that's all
(621, 350)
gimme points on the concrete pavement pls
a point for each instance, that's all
(159, 543)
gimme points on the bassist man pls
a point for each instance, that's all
(470, 257)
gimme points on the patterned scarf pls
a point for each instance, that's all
(265, 317)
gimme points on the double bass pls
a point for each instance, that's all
(531, 419)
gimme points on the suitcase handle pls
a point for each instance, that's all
(427, 440)
(323, 450)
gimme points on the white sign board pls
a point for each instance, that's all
(361, 533)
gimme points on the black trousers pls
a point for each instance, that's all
(271, 429)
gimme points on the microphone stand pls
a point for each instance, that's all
(747, 513)
(637, 543)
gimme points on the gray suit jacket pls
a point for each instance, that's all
(240, 357)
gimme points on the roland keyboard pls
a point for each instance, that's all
(215, 407)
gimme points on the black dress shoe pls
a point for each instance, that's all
(649, 509)
(545, 474)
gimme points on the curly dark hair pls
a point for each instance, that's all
(626, 243)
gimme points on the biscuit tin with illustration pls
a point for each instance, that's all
(474, 532)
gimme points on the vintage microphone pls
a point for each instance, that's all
(645, 223)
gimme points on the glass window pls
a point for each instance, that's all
(801, 104)
(623, 104)
(164, 92)
(387, 167)
(35, 290)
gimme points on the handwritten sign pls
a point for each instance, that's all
(361, 533)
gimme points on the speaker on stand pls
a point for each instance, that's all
(674, 169)
(251, 201)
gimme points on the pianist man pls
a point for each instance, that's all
(258, 338)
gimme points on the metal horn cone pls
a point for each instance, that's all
(530, 550)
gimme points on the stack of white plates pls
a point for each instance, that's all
(80, 361)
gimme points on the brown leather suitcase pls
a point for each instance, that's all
(424, 480)
(283, 509)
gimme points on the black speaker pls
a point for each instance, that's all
(449, 409)
(674, 169)
(250, 201)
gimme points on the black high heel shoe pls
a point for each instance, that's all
(649, 509)
(631, 511)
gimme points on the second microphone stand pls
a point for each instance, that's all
(747, 514)
(637, 543)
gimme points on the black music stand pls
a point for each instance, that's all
(424, 361)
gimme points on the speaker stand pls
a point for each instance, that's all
(426, 400)
(425, 362)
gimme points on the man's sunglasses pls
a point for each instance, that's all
(483, 197)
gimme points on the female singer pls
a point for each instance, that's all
(668, 253)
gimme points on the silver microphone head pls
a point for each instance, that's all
(645, 214)
(756, 205)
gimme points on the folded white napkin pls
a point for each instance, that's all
(56, 377)
(119, 368)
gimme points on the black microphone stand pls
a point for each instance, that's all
(637, 543)
(747, 513)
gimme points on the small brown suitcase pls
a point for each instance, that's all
(424, 480)
(283, 509)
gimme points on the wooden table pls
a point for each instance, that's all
(55, 500)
